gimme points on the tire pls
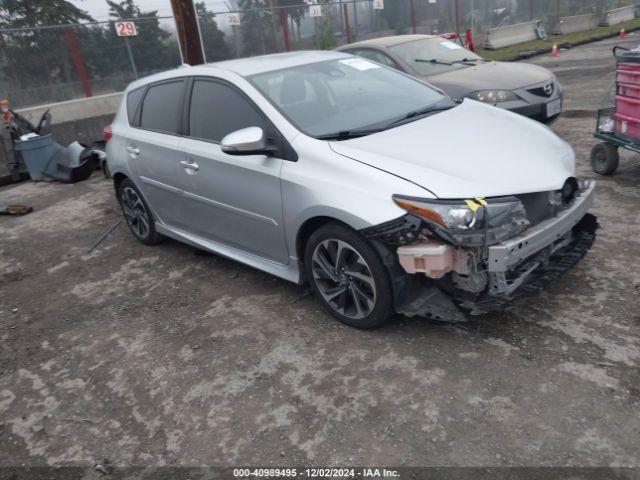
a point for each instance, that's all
(355, 289)
(604, 158)
(137, 214)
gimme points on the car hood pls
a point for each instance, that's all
(472, 150)
(490, 75)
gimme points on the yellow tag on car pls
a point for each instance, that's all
(473, 206)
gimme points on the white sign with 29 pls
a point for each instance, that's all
(126, 29)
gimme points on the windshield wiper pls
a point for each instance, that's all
(362, 132)
(433, 60)
(447, 62)
(414, 114)
(468, 60)
(347, 134)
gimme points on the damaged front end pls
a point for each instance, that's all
(479, 255)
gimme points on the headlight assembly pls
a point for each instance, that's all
(470, 223)
(494, 96)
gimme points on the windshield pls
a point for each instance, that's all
(429, 56)
(344, 95)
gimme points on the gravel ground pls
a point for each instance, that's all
(163, 356)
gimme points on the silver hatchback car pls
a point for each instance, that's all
(375, 188)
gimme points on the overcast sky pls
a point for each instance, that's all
(99, 9)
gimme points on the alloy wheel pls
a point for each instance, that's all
(135, 212)
(343, 278)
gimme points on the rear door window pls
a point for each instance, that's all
(162, 107)
(217, 109)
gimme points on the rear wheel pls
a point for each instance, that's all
(604, 158)
(137, 214)
(348, 277)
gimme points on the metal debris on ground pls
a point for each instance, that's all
(37, 428)
(15, 209)
(103, 466)
(77, 420)
(104, 236)
(307, 292)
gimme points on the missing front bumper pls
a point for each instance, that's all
(548, 269)
(511, 253)
(439, 301)
(437, 280)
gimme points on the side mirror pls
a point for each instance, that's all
(246, 141)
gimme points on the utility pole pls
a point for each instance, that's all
(191, 50)
(131, 60)
(134, 69)
(285, 29)
(413, 17)
(457, 16)
(72, 43)
(346, 22)
(272, 25)
(473, 17)
(355, 20)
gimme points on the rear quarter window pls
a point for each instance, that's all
(133, 101)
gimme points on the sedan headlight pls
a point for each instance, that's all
(493, 96)
(470, 223)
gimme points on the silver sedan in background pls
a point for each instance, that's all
(529, 90)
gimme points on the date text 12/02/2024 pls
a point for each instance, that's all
(315, 472)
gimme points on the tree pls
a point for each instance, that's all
(37, 64)
(325, 36)
(255, 23)
(37, 13)
(215, 48)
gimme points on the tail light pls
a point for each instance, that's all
(107, 133)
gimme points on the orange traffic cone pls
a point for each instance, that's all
(554, 51)
(622, 32)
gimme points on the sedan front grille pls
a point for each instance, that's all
(545, 90)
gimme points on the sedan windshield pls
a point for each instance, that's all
(347, 97)
(430, 56)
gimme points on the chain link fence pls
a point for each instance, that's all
(56, 63)
(62, 62)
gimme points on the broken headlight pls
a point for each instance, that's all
(470, 223)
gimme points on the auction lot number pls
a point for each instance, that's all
(126, 29)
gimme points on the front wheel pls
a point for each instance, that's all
(604, 158)
(348, 277)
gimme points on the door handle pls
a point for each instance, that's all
(190, 165)
(134, 150)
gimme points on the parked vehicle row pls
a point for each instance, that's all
(382, 192)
